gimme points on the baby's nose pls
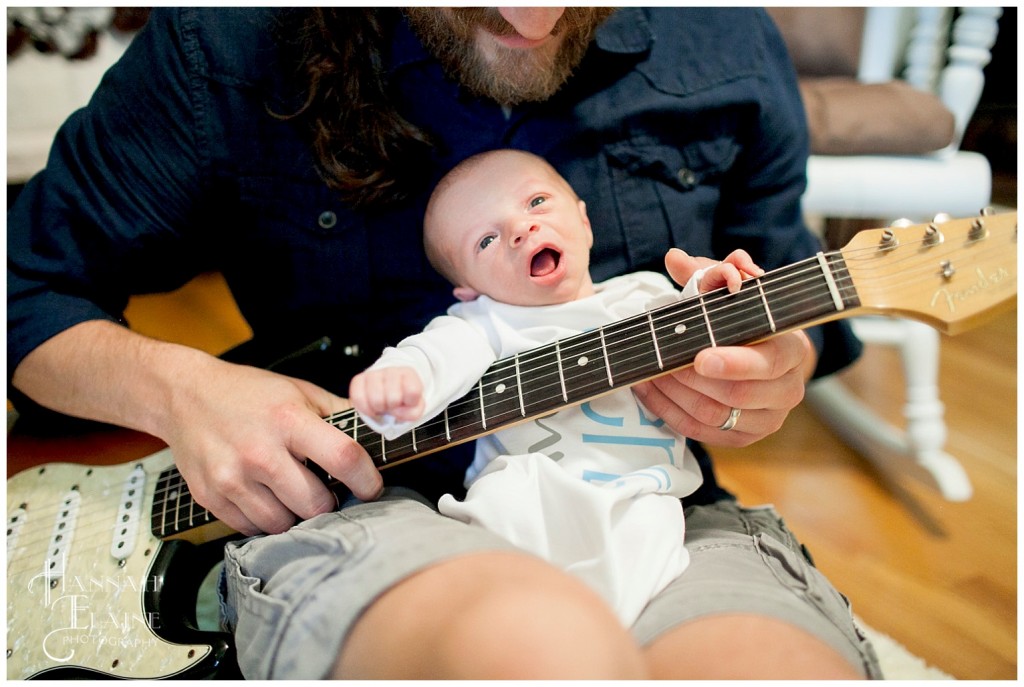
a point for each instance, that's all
(522, 231)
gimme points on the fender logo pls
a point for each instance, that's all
(953, 297)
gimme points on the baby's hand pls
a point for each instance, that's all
(731, 272)
(389, 391)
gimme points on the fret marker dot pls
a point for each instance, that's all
(582, 361)
(680, 328)
(500, 388)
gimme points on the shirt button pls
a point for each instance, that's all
(687, 177)
(327, 219)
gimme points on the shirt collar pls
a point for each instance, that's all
(627, 32)
(406, 48)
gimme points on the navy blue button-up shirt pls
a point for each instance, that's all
(682, 127)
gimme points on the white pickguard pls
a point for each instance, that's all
(83, 608)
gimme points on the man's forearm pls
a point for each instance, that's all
(101, 371)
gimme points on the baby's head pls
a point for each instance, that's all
(507, 225)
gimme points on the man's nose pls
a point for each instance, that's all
(533, 23)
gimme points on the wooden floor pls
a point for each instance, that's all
(939, 577)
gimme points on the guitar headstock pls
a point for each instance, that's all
(950, 274)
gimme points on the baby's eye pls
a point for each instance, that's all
(486, 241)
(534, 202)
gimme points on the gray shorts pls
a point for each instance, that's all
(292, 598)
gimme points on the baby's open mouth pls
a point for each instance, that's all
(545, 262)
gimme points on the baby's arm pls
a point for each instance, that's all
(704, 274)
(416, 380)
(388, 392)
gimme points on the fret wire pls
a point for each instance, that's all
(831, 282)
(519, 388)
(383, 452)
(607, 363)
(447, 429)
(414, 449)
(483, 413)
(764, 300)
(164, 516)
(654, 338)
(177, 509)
(561, 371)
(164, 478)
(707, 321)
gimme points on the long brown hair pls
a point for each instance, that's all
(364, 148)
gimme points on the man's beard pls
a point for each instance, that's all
(513, 76)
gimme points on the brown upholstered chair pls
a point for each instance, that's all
(888, 93)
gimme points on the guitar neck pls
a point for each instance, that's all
(579, 368)
(573, 370)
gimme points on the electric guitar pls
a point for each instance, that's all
(101, 560)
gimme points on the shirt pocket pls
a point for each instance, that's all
(666, 195)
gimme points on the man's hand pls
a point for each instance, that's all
(764, 382)
(239, 434)
(241, 437)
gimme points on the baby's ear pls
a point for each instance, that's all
(586, 223)
(465, 294)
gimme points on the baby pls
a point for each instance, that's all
(593, 488)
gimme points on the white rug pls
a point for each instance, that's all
(898, 663)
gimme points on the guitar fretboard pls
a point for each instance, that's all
(576, 369)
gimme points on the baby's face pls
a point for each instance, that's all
(513, 230)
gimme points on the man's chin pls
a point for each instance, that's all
(490, 69)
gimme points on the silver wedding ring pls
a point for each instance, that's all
(734, 417)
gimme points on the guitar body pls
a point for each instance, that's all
(91, 592)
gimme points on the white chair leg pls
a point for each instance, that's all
(876, 437)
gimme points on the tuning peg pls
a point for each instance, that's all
(987, 211)
(941, 218)
(932, 235)
(901, 222)
(888, 240)
(978, 230)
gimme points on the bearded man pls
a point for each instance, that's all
(294, 150)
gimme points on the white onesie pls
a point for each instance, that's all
(593, 488)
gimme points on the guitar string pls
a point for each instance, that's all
(692, 310)
(904, 277)
(850, 255)
(726, 318)
(634, 334)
